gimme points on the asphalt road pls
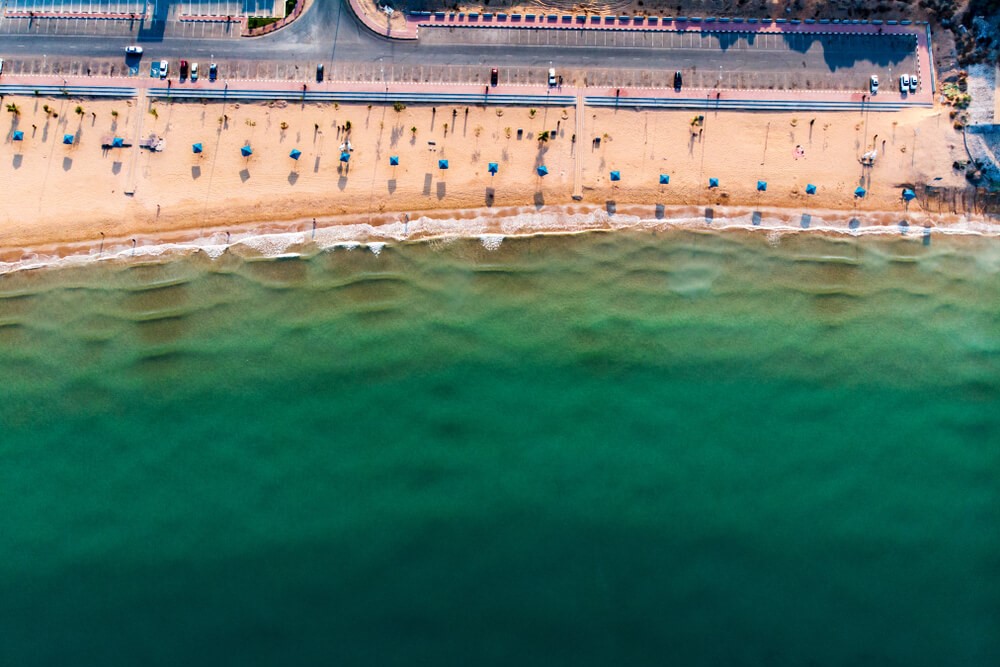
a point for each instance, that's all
(329, 32)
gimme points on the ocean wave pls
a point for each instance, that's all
(491, 228)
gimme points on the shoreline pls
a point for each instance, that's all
(255, 240)
(65, 198)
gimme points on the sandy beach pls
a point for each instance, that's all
(62, 194)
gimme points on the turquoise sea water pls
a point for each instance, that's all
(681, 448)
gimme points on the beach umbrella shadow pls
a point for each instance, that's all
(293, 174)
(442, 187)
(246, 152)
(391, 183)
(492, 168)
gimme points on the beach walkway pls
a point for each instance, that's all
(581, 108)
(374, 92)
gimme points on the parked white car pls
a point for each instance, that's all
(873, 84)
(552, 76)
(194, 71)
(164, 68)
(913, 83)
(904, 83)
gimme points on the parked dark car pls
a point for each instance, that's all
(213, 72)
(494, 76)
(678, 80)
(184, 69)
(319, 72)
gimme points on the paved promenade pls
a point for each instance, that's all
(468, 94)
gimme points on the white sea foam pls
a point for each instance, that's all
(485, 224)
(491, 241)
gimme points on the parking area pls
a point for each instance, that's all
(119, 28)
(92, 27)
(708, 59)
(387, 74)
(226, 7)
(78, 6)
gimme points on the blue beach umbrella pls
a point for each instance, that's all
(616, 176)
(345, 157)
(810, 189)
(761, 186)
(117, 142)
(860, 192)
(542, 170)
(664, 179)
(442, 164)
(393, 160)
(246, 151)
(18, 135)
(713, 182)
(493, 168)
(295, 154)
(68, 139)
(196, 148)
(909, 194)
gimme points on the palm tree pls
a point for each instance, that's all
(14, 109)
